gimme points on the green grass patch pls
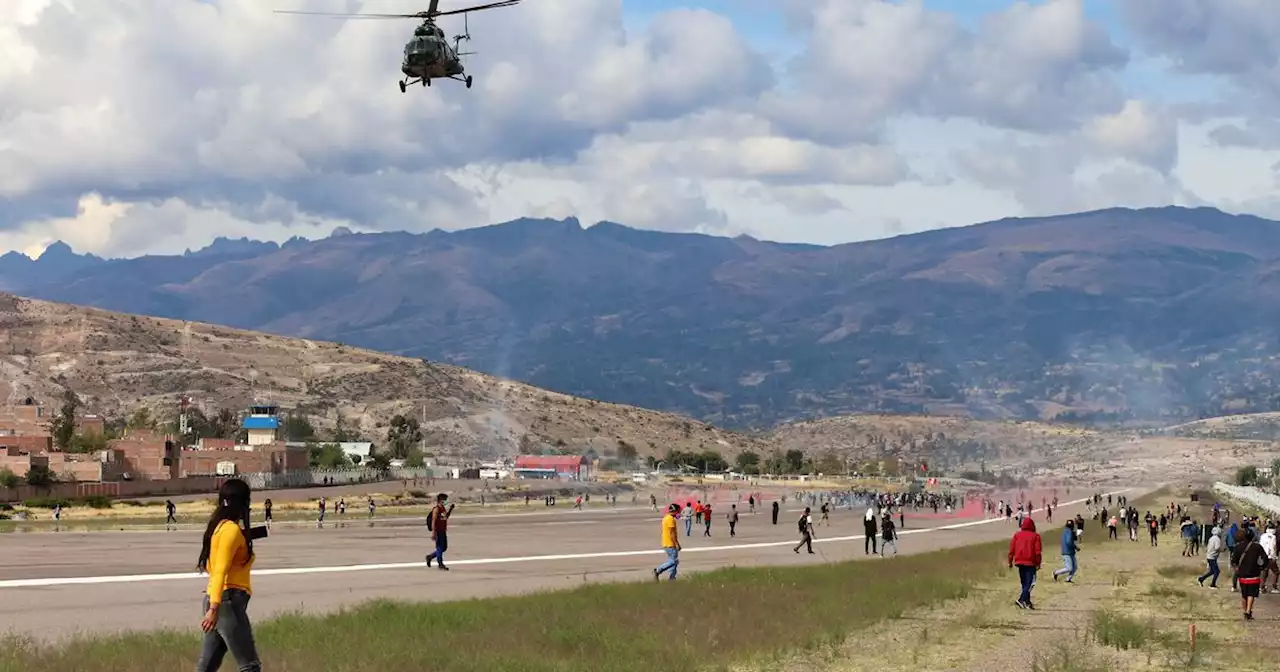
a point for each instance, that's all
(1120, 631)
(701, 621)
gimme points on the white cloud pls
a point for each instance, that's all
(135, 126)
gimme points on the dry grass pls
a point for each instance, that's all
(710, 619)
(1130, 609)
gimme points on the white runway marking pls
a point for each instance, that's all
(285, 571)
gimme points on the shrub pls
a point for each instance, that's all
(98, 502)
(45, 502)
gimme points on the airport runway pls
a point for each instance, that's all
(56, 584)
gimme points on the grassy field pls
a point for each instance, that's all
(1131, 607)
(703, 621)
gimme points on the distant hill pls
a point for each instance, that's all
(117, 363)
(1161, 314)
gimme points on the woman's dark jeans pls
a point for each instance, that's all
(233, 633)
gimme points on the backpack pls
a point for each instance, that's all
(803, 524)
(431, 517)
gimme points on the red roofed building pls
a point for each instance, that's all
(553, 466)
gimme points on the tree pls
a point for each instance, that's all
(341, 433)
(327, 456)
(1247, 475)
(794, 460)
(748, 462)
(297, 427)
(41, 476)
(63, 426)
(415, 459)
(8, 479)
(627, 452)
(380, 461)
(224, 425)
(141, 419)
(403, 435)
(88, 443)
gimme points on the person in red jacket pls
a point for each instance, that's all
(1025, 554)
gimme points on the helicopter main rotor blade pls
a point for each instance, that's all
(339, 15)
(492, 5)
(434, 9)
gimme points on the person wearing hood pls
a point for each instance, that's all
(1069, 548)
(1212, 550)
(869, 532)
(1025, 553)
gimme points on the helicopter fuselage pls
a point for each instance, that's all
(428, 55)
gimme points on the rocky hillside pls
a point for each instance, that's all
(1162, 315)
(117, 363)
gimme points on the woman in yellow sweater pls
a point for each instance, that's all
(227, 556)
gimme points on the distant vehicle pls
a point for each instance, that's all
(428, 55)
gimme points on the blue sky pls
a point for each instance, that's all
(894, 121)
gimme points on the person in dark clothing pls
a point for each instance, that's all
(890, 535)
(869, 531)
(1025, 553)
(775, 512)
(1240, 538)
(806, 531)
(1252, 561)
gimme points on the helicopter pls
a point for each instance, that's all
(428, 55)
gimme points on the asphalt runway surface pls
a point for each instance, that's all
(53, 585)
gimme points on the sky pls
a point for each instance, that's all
(131, 127)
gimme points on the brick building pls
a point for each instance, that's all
(24, 419)
(274, 458)
(146, 455)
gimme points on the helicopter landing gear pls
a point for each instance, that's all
(468, 81)
(402, 88)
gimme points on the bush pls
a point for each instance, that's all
(98, 502)
(45, 502)
(417, 494)
(131, 502)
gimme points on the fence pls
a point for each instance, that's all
(1263, 500)
(191, 485)
(313, 477)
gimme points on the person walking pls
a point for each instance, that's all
(806, 531)
(890, 535)
(733, 520)
(438, 523)
(1026, 553)
(1069, 549)
(1271, 571)
(226, 555)
(670, 545)
(1211, 552)
(266, 511)
(688, 521)
(775, 512)
(869, 530)
(706, 519)
(169, 511)
(1249, 574)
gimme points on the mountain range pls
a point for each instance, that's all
(1112, 315)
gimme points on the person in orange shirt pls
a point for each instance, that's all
(670, 544)
(226, 554)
